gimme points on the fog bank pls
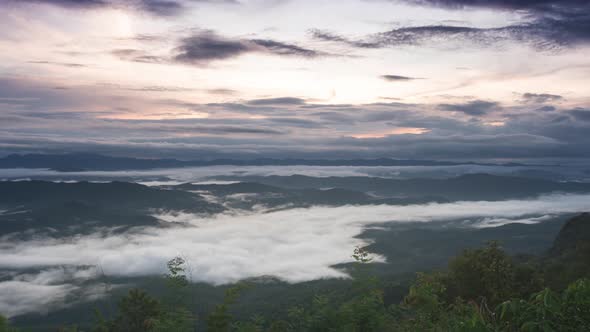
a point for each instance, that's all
(294, 245)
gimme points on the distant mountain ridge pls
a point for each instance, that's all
(73, 162)
(44, 204)
(478, 186)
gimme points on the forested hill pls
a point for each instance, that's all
(90, 161)
(465, 187)
(573, 237)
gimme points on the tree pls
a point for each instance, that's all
(176, 315)
(220, 319)
(489, 274)
(138, 312)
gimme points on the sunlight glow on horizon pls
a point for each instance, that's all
(397, 131)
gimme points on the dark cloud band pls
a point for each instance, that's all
(551, 25)
(207, 46)
(473, 108)
(398, 78)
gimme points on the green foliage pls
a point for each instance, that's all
(255, 324)
(363, 311)
(139, 312)
(424, 309)
(220, 320)
(550, 311)
(540, 313)
(462, 299)
(576, 299)
(176, 272)
(5, 325)
(426, 292)
(570, 265)
(176, 315)
(178, 320)
(488, 273)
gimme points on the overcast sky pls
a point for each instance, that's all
(431, 79)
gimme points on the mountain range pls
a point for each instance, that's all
(74, 162)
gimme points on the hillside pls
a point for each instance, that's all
(573, 237)
(71, 208)
(464, 187)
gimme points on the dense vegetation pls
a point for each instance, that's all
(482, 289)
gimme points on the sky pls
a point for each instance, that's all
(202, 79)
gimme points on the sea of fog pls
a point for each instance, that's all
(294, 245)
(173, 176)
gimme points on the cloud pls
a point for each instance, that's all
(549, 25)
(533, 5)
(473, 108)
(279, 48)
(104, 119)
(333, 37)
(277, 101)
(553, 23)
(47, 290)
(422, 34)
(540, 98)
(65, 64)
(68, 3)
(158, 88)
(580, 114)
(162, 7)
(207, 46)
(20, 297)
(152, 7)
(398, 78)
(546, 108)
(295, 122)
(224, 130)
(135, 55)
(222, 91)
(410, 36)
(495, 222)
(294, 245)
